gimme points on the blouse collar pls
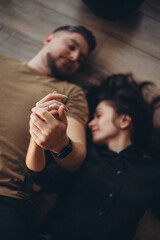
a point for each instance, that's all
(130, 151)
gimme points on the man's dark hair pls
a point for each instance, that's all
(87, 34)
(126, 96)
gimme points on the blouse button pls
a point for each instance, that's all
(111, 195)
(100, 214)
(119, 172)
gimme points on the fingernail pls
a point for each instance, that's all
(64, 96)
(67, 110)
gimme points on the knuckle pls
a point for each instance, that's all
(54, 101)
(43, 113)
(54, 104)
(48, 132)
(56, 126)
(34, 120)
(49, 95)
(32, 114)
(42, 140)
(38, 104)
(30, 127)
(38, 141)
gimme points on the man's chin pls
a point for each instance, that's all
(58, 69)
(60, 74)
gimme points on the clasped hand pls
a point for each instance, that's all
(48, 123)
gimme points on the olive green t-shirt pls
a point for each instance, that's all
(20, 88)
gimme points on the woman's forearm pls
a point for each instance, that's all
(35, 158)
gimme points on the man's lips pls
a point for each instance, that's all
(66, 62)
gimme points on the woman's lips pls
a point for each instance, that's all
(94, 131)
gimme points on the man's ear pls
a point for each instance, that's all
(48, 39)
(126, 121)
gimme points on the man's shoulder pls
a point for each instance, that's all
(69, 89)
(76, 101)
(71, 86)
(8, 61)
(2, 57)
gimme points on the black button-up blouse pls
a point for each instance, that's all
(104, 199)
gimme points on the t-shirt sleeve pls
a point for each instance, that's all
(77, 104)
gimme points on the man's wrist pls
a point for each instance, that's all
(60, 144)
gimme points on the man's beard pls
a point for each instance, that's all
(56, 71)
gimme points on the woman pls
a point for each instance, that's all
(108, 195)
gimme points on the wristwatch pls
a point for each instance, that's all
(64, 152)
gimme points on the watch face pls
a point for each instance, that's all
(64, 152)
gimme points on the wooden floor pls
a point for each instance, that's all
(130, 45)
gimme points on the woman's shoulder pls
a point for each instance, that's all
(152, 167)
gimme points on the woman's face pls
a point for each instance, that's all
(105, 124)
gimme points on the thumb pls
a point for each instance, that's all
(62, 114)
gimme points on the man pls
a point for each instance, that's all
(22, 85)
(62, 56)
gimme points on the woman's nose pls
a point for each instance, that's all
(91, 123)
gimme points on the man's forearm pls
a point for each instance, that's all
(74, 159)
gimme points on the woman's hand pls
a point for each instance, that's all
(48, 123)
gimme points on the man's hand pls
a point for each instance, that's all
(48, 129)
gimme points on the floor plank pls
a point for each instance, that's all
(138, 30)
(42, 21)
(151, 8)
(15, 45)
(119, 57)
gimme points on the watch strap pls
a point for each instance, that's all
(64, 152)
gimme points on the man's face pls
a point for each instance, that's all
(65, 52)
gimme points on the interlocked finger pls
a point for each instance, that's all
(55, 106)
(52, 106)
(51, 96)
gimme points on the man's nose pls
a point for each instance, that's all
(74, 56)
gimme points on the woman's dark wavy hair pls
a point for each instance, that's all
(126, 96)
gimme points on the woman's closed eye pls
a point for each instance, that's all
(97, 115)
